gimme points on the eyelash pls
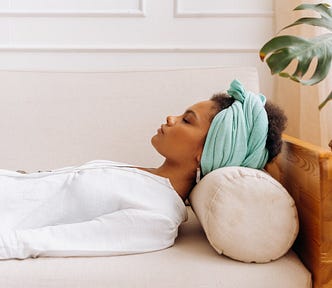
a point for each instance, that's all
(185, 121)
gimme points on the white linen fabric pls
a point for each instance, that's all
(97, 209)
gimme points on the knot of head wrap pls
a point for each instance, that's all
(237, 135)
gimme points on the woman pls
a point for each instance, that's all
(105, 208)
(218, 133)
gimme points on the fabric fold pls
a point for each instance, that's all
(237, 135)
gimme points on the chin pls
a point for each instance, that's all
(155, 142)
(155, 139)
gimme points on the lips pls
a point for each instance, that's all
(161, 129)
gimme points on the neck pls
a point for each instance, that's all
(182, 177)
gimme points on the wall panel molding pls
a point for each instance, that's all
(139, 11)
(131, 49)
(179, 13)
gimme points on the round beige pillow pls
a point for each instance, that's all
(245, 213)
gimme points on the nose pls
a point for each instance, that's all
(170, 120)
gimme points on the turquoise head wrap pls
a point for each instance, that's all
(237, 135)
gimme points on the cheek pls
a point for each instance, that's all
(191, 143)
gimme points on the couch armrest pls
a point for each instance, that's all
(305, 170)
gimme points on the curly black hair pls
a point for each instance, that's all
(276, 116)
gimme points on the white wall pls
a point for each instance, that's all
(99, 35)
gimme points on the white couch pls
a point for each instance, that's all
(54, 119)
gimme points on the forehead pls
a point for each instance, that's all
(204, 110)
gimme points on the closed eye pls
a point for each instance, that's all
(185, 120)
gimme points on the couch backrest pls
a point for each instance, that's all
(55, 119)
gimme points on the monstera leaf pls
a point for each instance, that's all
(280, 51)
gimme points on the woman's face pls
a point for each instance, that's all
(182, 137)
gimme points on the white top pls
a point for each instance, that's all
(98, 209)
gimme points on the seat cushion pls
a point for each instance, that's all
(191, 262)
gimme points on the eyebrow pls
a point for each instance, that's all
(189, 111)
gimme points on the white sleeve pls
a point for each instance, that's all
(123, 232)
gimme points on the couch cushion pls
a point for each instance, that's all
(191, 262)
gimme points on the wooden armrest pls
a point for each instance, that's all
(305, 170)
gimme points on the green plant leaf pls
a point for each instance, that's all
(321, 22)
(325, 19)
(327, 99)
(324, 9)
(280, 51)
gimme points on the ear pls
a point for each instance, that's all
(198, 158)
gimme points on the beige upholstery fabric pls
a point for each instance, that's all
(50, 120)
(191, 262)
(246, 214)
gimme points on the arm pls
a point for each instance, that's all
(122, 232)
